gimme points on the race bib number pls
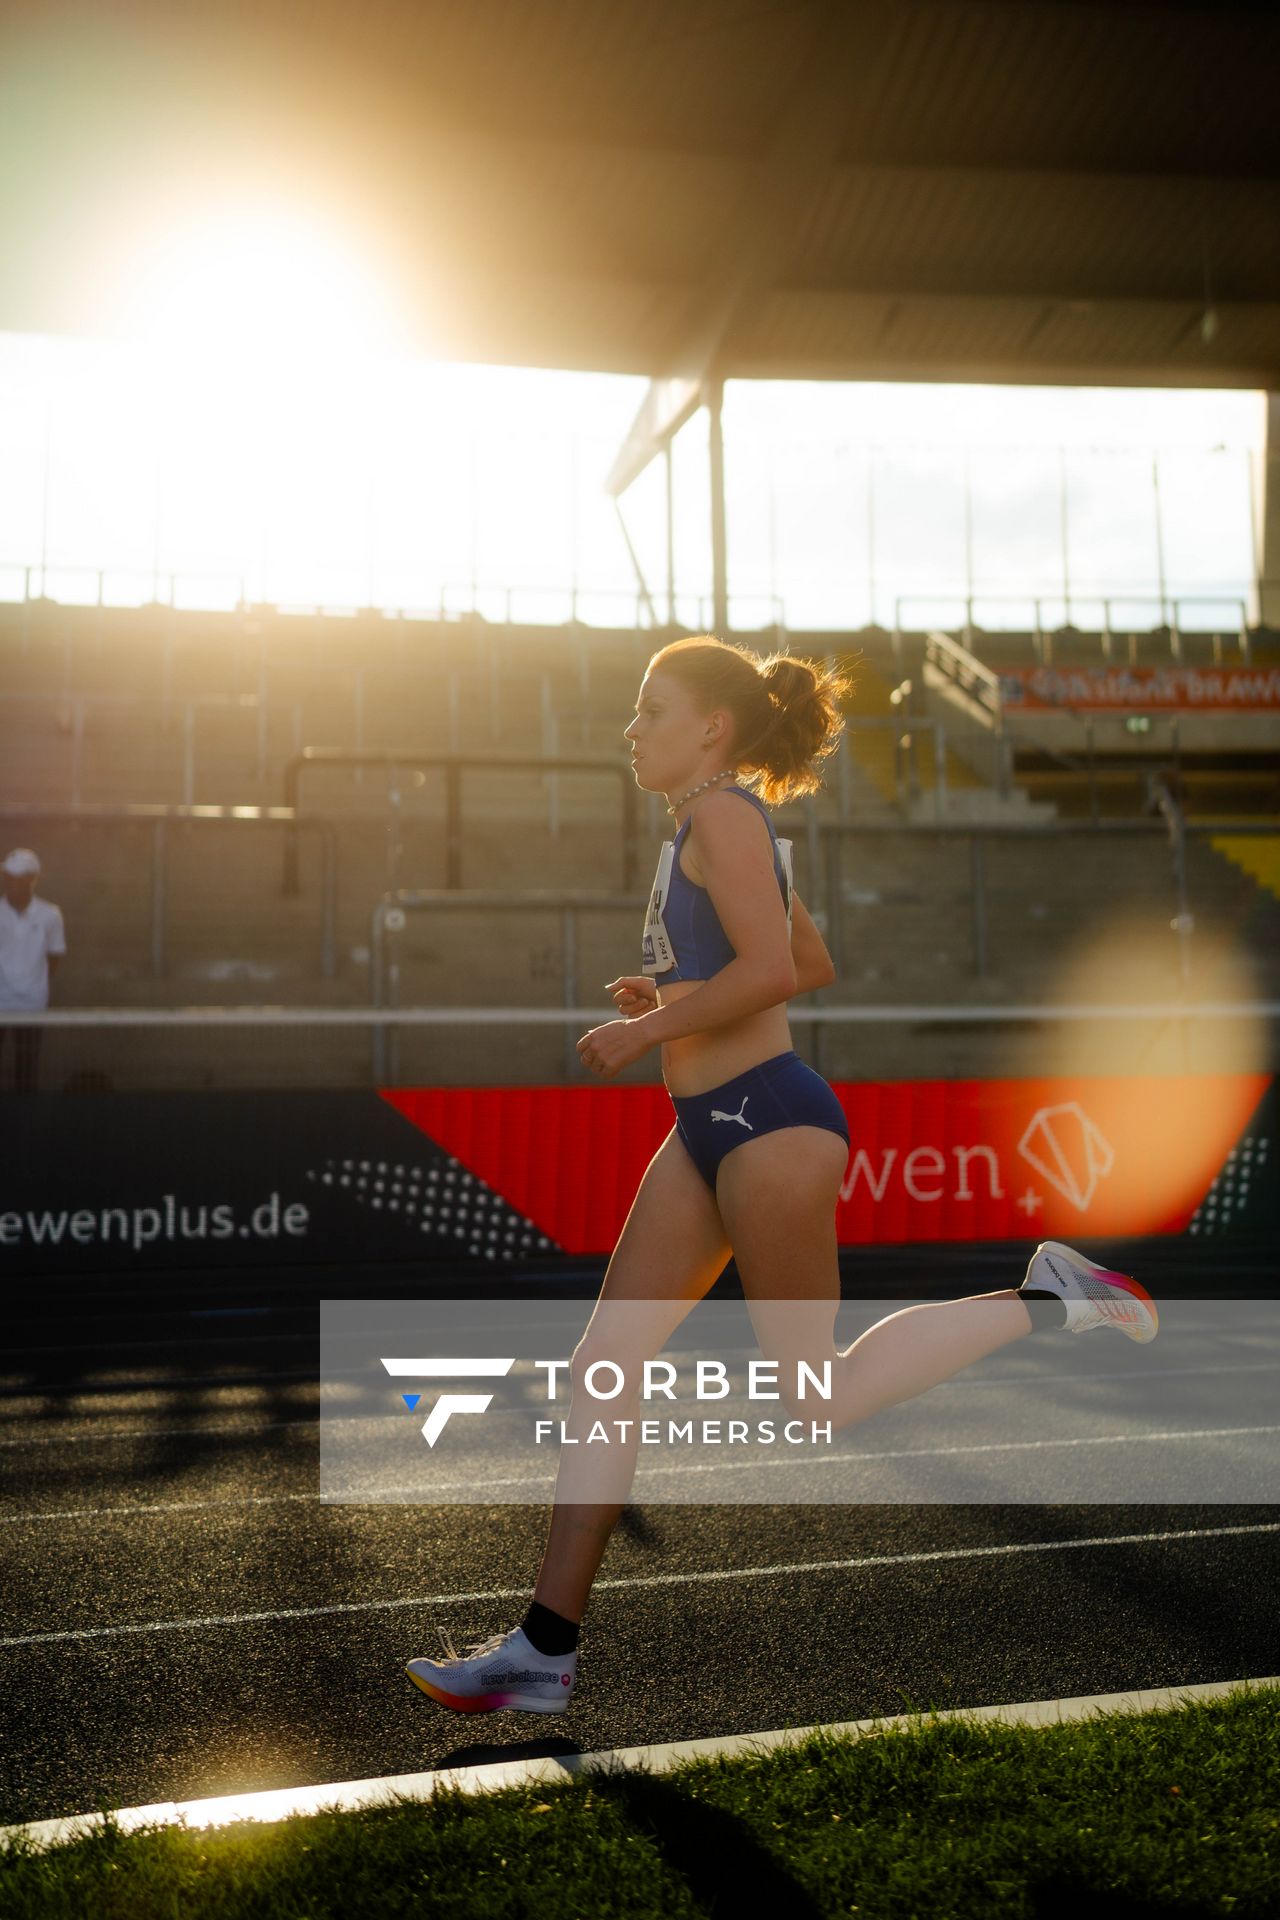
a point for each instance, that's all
(657, 953)
(784, 848)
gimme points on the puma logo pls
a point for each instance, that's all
(717, 1115)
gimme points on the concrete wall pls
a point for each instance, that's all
(905, 915)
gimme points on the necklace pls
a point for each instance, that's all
(701, 788)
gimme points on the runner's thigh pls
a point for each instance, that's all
(671, 1251)
(777, 1197)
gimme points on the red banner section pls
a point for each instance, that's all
(945, 1160)
(1144, 689)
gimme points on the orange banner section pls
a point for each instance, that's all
(1145, 689)
(1004, 1159)
(946, 1160)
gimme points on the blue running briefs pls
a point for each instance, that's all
(782, 1092)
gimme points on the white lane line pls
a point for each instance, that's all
(637, 1582)
(380, 1495)
(945, 1453)
(280, 1803)
(160, 1506)
(1028, 1376)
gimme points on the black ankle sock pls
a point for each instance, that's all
(549, 1632)
(1046, 1309)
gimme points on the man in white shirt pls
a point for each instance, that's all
(32, 942)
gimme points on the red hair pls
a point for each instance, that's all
(786, 713)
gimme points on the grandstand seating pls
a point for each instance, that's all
(235, 936)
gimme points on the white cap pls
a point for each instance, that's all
(20, 861)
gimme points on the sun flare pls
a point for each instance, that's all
(260, 281)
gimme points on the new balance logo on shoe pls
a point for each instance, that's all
(717, 1115)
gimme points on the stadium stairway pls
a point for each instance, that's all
(1258, 856)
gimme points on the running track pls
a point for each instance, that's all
(182, 1617)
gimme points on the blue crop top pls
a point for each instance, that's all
(683, 937)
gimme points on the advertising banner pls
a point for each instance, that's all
(1143, 689)
(490, 1178)
(931, 1160)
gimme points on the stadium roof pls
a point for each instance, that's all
(1026, 190)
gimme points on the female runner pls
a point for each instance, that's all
(754, 1161)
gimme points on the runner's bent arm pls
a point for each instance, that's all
(814, 965)
(735, 856)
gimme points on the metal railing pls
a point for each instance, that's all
(979, 688)
(161, 818)
(1174, 825)
(453, 767)
(906, 730)
(147, 582)
(965, 671)
(693, 610)
(538, 604)
(900, 1013)
(532, 603)
(388, 921)
(1170, 616)
(1180, 1014)
(827, 870)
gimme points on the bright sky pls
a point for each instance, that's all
(234, 463)
(862, 495)
(250, 424)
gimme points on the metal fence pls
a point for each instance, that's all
(1052, 615)
(388, 923)
(384, 1022)
(1172, 827)
(410, 759)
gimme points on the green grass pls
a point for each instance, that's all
(1176, 1812)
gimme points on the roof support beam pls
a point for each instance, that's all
(777, 192)
(719, 518)
(663, 411)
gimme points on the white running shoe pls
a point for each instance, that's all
(505, 1671)
(1093, 1296)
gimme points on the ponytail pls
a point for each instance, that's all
(804, 727)
(787, 712)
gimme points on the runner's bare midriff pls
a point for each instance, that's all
(701, 1061)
